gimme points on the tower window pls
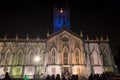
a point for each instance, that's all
(61, 19)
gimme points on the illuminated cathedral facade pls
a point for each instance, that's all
(61, 52)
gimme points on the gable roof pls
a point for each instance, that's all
(62, 30)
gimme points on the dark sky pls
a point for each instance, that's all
(98, 17)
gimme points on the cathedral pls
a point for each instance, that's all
(61, 52)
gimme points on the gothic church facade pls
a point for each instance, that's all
(61, 52)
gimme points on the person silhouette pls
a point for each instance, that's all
(7, 77)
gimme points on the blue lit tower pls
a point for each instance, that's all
(60, 17)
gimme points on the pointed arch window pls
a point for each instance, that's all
(19, 58)
(65, 58)
(53, 56)
(95, 58)
(104, 58)
(77, 57)
(41, 55)
(31, 57)
(8, 57)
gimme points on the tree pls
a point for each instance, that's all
(117, 57)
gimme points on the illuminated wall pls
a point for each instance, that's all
(61, 52)
(19, 57)
(29, 70)
(17, 71)
(69, 55)
(99, 58)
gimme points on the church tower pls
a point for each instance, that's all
(61, 17)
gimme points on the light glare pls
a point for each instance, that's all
(37, 59)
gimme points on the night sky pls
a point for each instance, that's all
(98, 17)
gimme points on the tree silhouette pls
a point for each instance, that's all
(117, 57)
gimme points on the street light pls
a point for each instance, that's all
(37, 59)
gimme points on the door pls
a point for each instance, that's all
(65, 70)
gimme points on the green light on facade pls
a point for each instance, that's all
(26, 77)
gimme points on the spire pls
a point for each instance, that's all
(27, 37)
(48, 33)
(5, 37)
(101, 38)
(38, 38)
(97, 38)
(81, 34)
(107, 39)
(16, 37)
(87, 37)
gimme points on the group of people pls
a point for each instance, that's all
(98, 77)
(103, 76)
(67, 77)
(63, 77)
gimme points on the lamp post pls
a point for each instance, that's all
(36, 60)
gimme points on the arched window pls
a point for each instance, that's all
(77, 57)
(8, 57)
(95, 58)
(41, 55)
(31, 57)
(65, 58)
(104, 57)
(19, 58)
(53, 57)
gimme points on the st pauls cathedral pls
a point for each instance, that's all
(62, 51)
